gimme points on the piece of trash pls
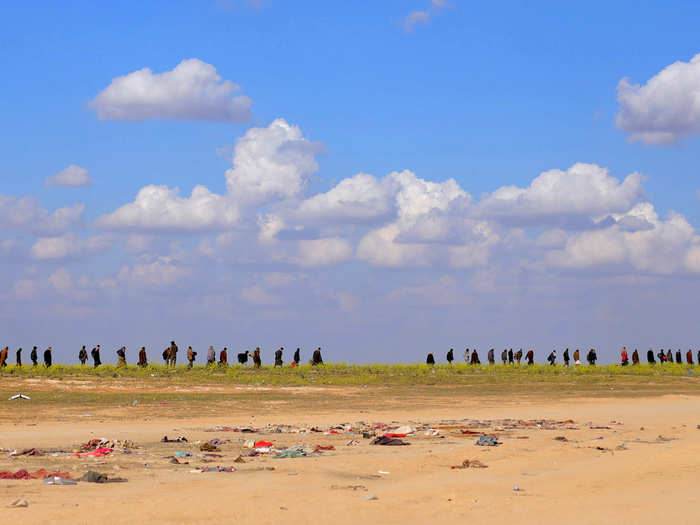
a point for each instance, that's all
(383, 440)
(474, 463)
(95, 477)
(239, 459)
(323, 447)
(561, 438)
(621, 447)
(19, 396)
(181, 439)
(208, 447)
(352, 443)
(136, 402)
(217, 469)
(19, 503)
(384, 472)
(487, 441)
(349, 487)
(284, 508)
(371, 497)
(56, 480)
(262, 444)
(182, 454)
(516, 488)
(432, 432)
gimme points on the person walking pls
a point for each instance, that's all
(143, 358)
(3, 357)
(623, 357)
(48, 360)
(82, 355)
(121, 357)
(297, 356)
(450, 356)
(19, 358)
(172, 355)
(278, 357)
(566, 357)
(95, 353)
(33, 355)
(211, 356)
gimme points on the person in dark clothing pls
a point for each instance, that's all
(82, 355)
(191, 356)
(504, 356)
(679, 359)
(297, 356)
(510, 356)
(278, 356)
(552, 358)
(450, 356)
(3, 357)
(699, 357)
(566, 357)
(121, 357)
(223, 357)
(519, 355)
(475, 358)
(491, 356)
(19, 357)
(95, 353)
(47, 357)
(662, 356)
(430, 360)
(650, 357)
(143, 358)
(635, 357)
(316, 358)
(34, 357)
(591, 357)
(257, 361)
(530, 357)
(688, 357)
(172, 356)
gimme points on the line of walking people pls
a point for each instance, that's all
(169, 356)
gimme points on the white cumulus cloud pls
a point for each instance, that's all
(26, 214)
(323, 252)
(193, 90)
(71, 177)
(666, 108)
(68, 246)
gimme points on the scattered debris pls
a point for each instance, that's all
(95, 477)
(384, 440)
(239, 459)
(349, 487)
(19, 503)
(57, 480)
(216, 469)
(474, 463)
(322, 447)
(371, 497)
(19, 396)
(39, 474)
(208, 447)
(487, 441)
(97, 453)
(181, 439)
(562, 439)
(352, 443)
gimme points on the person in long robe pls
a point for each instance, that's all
(635, 357)
(82, 355)
(19, 357)
(173, 353)
(450, 356)
(519, 355)
(566, 357)
(689, 357)
(223, 357)
(475, 358)
(510, 356)
(491, 356)
(297, 356)
(257, 361)
(552, 358)
(143, 358)
(530, 357)
(430, 360)
(3, 357)
(317, 359)
(504, 356)
(577, 357)
(95, 352)
(211, 356)
(34, 357)
(679, 359)
(592, 357)
(48, 358)
(650, 357)
(669, 356)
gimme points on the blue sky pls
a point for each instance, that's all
(490, 96)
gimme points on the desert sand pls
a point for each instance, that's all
(629, 459)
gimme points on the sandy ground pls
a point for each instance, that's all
(624, 473)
